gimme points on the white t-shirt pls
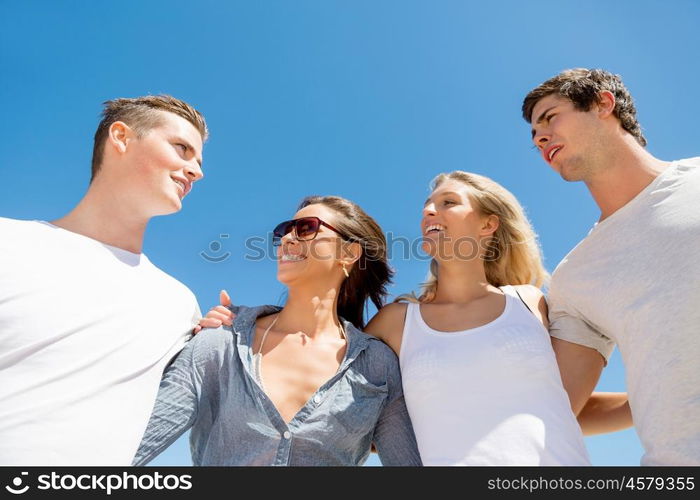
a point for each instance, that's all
(490, 395)
(634, 281)
(86, 330)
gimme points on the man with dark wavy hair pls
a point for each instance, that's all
(81, 354)
(634, 280)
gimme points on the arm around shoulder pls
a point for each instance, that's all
(387, 324)
(605, 412)
(580, 369)
(580, 348)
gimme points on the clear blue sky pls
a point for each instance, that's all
(363, 99)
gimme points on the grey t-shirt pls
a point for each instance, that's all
(634, 281)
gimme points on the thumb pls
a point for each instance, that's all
(224, 298)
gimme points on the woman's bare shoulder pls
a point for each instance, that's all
(388, 320)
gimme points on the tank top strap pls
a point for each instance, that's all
(411, 310)
(511, 291)
(413, 331)
(414, 322)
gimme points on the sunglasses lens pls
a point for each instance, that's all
(280, 230)
(307, 228)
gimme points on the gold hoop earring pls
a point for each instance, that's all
(345, 271)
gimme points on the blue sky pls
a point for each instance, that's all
(365, 99)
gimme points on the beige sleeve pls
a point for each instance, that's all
(566, 324)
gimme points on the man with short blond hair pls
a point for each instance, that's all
(81, 352)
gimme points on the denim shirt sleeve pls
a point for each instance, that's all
(393, 435)
(176, 406)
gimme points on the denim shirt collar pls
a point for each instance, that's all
(243, 329)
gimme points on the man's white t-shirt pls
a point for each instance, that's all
(86, 330)
(634, 281)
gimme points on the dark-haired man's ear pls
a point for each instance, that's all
(606, 104)
(119, 135)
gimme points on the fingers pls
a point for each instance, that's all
(196, 330)
(224, 299)
(217, 315)
(209, 323)
(221, 314)
(221, 310)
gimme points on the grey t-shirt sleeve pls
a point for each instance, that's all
(566, 324)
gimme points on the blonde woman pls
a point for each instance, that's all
(480, 376)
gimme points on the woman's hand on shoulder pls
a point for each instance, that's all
(387, 325)
(218, 315)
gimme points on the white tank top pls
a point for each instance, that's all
(490, 395)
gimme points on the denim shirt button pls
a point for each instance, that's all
(317, 399)
(287, 434)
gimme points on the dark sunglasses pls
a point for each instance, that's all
(305, 229)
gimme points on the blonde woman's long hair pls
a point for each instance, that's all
(513, 254)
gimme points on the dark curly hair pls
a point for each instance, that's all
(582, 87)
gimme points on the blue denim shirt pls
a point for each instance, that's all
(211, 387)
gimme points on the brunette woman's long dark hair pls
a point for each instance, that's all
(371, 274)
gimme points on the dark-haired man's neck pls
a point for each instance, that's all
(102, 216)
(627, 171)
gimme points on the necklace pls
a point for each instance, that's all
(257, 357)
